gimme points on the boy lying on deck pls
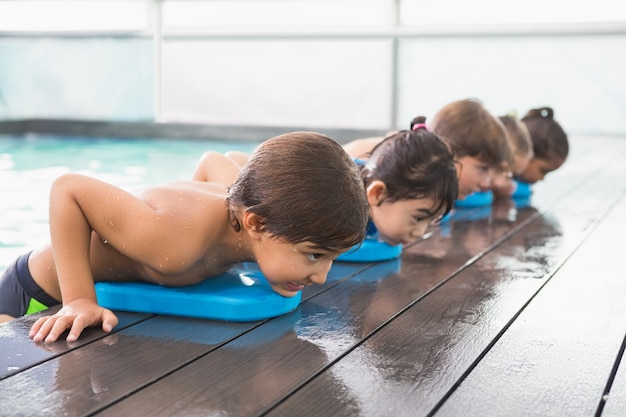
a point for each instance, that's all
(296, 206)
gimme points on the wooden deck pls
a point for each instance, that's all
(502, 313)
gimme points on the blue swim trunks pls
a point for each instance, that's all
(19, 293)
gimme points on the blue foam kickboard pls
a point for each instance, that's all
(477, 199)
(469, 214)
(371, 250)
(447, 217)
(521, 202)
(233, 296)
(523, 190)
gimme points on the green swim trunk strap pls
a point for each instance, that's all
(35, 306)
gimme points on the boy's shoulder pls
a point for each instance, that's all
(202, 203)
(188, 188)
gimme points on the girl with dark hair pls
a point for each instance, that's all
(410, 182)
(550, 144)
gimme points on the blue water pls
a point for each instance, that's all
(29, 164)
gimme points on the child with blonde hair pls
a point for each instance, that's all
(479, 140)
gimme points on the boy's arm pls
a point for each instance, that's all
(70, 234)
(216, 167)
(503, 185)
(361, 148)
(139, 230)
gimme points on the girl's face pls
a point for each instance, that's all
(289, 267)
(474, 175)
(538, 168)
(402, 221)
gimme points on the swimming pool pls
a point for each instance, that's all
(30, 163)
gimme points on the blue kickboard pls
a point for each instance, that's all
(239, 296)
(468, 214)
(523, 190)
(371, 250)
(477, 199)
(447, 217)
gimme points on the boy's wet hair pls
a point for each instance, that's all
(519, 136)
(306, 188)
(414, 164)
(548, 137)
(473, 131)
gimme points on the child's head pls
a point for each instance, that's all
(521, 144)
(550, 144)
(305, 188)
(410, 180)
(479, 141)
(502, 183)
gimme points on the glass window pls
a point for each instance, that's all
(278, 83)
(451, 12)
(76, 15)
(275, 14)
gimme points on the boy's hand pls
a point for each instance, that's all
(75, 315)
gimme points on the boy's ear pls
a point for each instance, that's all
(376, 192)
(253, 224)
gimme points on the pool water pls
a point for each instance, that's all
(30, 163)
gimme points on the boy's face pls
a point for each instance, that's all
(502, 184)
(289, 267)
(537, 169)
(403, 221)
(520, 163)
(474, 175)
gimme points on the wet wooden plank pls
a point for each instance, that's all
(164, 367)
(80, 381)
(336, 332)
(20, 353)
(410, 365)
(245, 378)
(557, 357)
(242, 376)
(98, 369)
(615, 395)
